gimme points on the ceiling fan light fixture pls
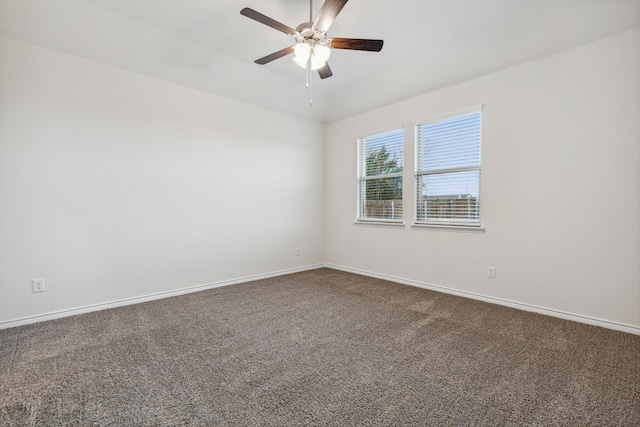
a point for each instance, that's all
(302, 52)
(319, 55)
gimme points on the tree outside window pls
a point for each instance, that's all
(380, 176)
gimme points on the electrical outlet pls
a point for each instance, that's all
(491, 272)
(38, 285)
(297, 251)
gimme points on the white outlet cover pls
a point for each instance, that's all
(38, 285)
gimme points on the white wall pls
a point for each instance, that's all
(114, 185)
(560, 189)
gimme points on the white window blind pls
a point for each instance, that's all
(380, 165)
(447, 180)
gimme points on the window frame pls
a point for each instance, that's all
(419, 173)
(362, 178)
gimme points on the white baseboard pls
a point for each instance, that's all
(145, 298)
(520, 306)
(156, 296)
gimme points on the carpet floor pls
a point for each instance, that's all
(321, 347)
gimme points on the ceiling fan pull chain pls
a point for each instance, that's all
(310, 89)
(310, 82)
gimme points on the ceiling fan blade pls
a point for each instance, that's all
(263, 19)
(328, 12)
(356, 44)
(325, 71)
(275, 55)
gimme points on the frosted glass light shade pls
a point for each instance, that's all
(302, 52)
(301, 61)
(319, 55)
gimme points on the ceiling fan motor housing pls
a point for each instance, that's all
(306, 33)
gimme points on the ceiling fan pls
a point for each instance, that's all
(313, 47)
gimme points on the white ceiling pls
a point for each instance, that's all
(208, 45)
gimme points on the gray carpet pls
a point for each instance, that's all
(321, 347)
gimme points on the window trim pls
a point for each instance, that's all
(446, 225)
(380, 223)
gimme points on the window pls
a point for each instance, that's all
(447, 167)
(380, 161)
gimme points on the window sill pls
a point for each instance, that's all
(458, 228)
(370, 223)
